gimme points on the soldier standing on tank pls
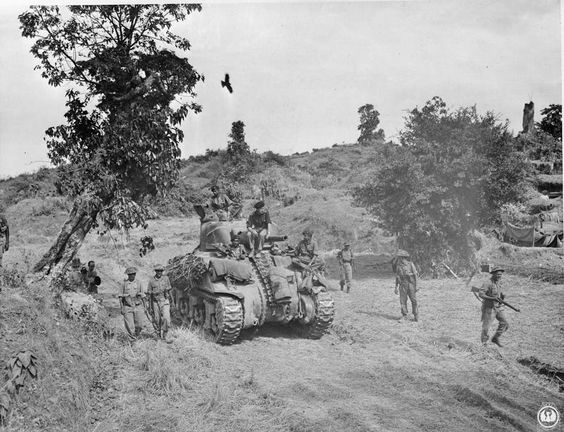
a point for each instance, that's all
(131, 296)
(159, 289)
(346, 257)
(406, 281)
(489, 292)
(258, 226)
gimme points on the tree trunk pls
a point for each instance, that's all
(79, 222)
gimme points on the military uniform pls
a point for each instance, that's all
(492, 309)
(74, 280)
(89, 279)
(219, 204)
(345, 257)
(406, 282)
(259, 222)
(159, 290)
(131, 294)
(4, 237)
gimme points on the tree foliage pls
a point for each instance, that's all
(450, 176)
(123, 77)
(368, 127)
(551, 123)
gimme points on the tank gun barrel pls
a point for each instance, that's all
(276, 238)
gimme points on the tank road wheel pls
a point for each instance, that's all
(228, 321)
(324, 314)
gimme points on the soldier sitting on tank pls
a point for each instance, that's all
(218, 204)
(306, 253)
(236, 249)
(258, 226)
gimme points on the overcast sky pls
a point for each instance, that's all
(301, 70)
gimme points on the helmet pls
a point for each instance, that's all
(259, 205)
(497, 269)
(158, 267)
(130, 270)
(403, 254)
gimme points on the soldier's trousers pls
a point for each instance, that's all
(407, 290)
(2, 246)
(133, 320)
(346, 276)
(161, 312)
(488, 315)
(257, 240)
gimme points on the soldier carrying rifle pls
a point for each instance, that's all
(345, 257)
(492, 306)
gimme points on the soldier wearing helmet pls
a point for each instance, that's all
(489, 292)
(131, 297)
(158, 290)
(345, 257)
(406, 283)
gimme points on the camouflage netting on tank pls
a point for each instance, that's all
(184, 270)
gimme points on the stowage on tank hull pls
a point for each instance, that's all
(225, 295)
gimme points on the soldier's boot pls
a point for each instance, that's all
(137, 332)
(416, 317)
(402, 319)
(342, 286)
(496, 341)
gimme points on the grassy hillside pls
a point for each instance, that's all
(360, 377)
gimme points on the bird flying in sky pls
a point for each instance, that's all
(225, 83)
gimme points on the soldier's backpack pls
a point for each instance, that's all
(405, 268)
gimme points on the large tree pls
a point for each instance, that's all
(450, 176)
(124, 72)
(368, 127)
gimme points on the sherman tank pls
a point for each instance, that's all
(222, 289)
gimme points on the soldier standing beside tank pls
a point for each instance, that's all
(131, 298)
(345, 257)
(489, 292)
(159, 292)
(406, 281)
(258, 226)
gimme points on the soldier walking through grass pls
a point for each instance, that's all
(131, 296)
(159, 293)
(491, 308)
(406, 284)
(345, 257)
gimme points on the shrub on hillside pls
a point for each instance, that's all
(452, 174)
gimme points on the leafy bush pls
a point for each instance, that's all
(452, 174)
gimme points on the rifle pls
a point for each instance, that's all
(477, 290)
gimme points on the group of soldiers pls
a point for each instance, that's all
(82, 278)
(156, 300)
(154, 303)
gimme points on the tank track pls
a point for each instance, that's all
(230, 320)
(324, 314)
(262, 265)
